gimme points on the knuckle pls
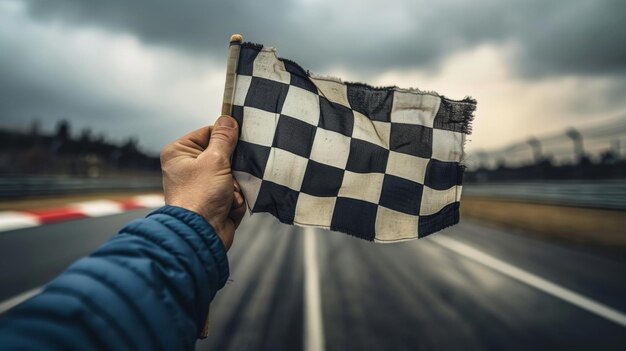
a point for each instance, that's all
(165, 153)
(224, 134)
(219, 158)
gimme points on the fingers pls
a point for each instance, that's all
(236, 214)
(199, 138)
(238, 209)
(191, 144)
(224, 135)
(238, 200)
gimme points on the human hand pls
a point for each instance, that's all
(197, 176)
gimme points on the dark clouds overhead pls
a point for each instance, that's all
(155, 68)
(552, 37)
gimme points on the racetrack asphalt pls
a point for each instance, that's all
(471, 290)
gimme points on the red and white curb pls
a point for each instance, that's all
(10, 220)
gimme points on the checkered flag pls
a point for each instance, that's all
(382, 164)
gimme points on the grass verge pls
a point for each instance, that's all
(604, 228)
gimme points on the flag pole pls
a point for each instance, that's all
(231, 73)
(227, 108)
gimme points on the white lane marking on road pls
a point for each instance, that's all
(18, 299)
(532, 280)
(98, 208)
(314, 332)
(10, 220)
(150, 200)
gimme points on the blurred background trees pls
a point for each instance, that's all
(35, 152)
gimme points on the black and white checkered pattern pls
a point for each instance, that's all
(382, 164)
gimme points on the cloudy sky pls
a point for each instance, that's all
(155, 69)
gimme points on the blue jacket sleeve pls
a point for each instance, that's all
(148, 288)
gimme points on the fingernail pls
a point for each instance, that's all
(226, 121)
(238, 200)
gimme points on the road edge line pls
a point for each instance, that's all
(18, 299)
(533, 280)
(314, 331)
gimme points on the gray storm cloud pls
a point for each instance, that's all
(153, 68)
(553, 37)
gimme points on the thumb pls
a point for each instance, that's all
(224, 135)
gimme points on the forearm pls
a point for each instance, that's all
(149, 287)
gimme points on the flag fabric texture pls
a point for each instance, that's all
(382, 164)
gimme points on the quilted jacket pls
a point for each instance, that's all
(147, 288)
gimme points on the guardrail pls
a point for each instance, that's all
(605, 195)
(19, 187)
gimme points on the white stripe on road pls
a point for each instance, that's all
(532, 280)
(314, 332)
(10, 220)
(149, 201)
(98, 208)
(16, 300)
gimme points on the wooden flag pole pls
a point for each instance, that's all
(231, 73)
(227, 109)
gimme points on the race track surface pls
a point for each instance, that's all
(469, 287)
